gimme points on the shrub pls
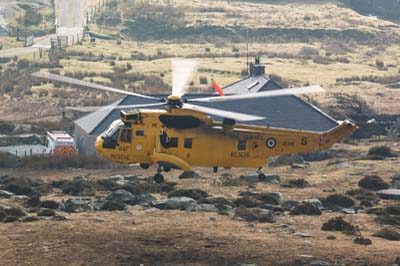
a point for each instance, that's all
(382, 151)
(295, 183)
(305, 209)
(379, 63)
(388, 234)
(112, 205)
(338, 224)
(373, 182)
(203, 80)
(338, 200)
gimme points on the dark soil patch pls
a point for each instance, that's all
(388, 234)
(373, 182)
(305, 209)
(338, 224)
(295, 183)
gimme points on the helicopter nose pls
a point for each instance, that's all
(99, 144)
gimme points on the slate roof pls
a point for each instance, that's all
(283, 111)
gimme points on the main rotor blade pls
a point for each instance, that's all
(264, 94)
(109, 107)
(182, 71)
(55, 77)
(222, 113)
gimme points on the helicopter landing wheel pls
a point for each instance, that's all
(261, 176)
(158, 178)
(167, 169)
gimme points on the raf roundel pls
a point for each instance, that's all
(271, 143)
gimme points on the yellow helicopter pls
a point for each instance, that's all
(184, 135)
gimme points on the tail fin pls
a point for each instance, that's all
(334, 135)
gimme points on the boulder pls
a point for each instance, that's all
(196, 194)
(189, 174)
(272, 179)
(6, 194)
(78, 204)
(273, 198)
(290, 204)
(122, 196)
(255, 215)
(203, 208)
(396, 181)
(393, 194)
(316, 202)
(174, 203)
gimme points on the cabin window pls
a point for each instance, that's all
(126, 135)
(242, 145)
(173, 143)
(140, 133)
(188, 143)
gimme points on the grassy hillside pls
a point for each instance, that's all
(302, 42)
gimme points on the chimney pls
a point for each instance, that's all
(257, 68)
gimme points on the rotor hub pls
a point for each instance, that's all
(174, 101)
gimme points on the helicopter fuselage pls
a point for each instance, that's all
(184, 138)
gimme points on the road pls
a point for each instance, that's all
(70, 20)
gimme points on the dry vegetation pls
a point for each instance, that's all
(171, 237)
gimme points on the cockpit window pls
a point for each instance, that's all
(126, 135)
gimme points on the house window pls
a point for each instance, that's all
(126, 135)
(188, 143)
(242, 145)
(140, 133)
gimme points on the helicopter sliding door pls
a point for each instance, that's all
(142, 145)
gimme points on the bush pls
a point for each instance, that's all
(383, 151)
(295, 183)
(203, 80)
(338, 224)
(373, 182)
(305, 209)
(112, 205)
(338, 200)
(46, 213)
(379, 63)
(50, 204)
(388, 234)
(6, 127)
